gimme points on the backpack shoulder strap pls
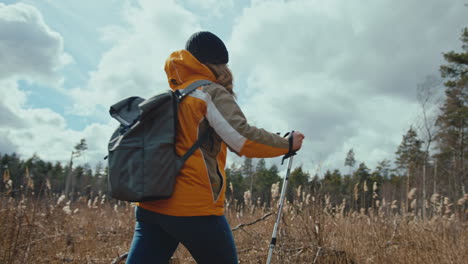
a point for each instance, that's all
(204, 137)
(180, 95)
(192, 87)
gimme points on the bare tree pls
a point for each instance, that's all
(429, 100)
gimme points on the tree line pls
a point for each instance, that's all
(431, 159)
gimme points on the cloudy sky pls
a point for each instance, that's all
(342, 72)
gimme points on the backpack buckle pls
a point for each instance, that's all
(178, 94)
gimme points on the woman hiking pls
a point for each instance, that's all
(194, 214)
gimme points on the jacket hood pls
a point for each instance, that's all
(182, 68)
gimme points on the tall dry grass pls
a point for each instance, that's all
(95, 230)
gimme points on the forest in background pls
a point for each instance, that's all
(430, 164)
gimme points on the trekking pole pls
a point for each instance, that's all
(280, 211)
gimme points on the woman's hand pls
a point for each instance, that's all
(298, 137)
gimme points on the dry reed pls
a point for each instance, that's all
(98, 230)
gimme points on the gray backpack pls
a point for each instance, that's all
(142, 159)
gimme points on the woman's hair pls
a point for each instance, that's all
(223, 75)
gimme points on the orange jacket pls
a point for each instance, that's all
(201, 184)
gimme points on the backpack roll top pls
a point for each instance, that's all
(126, 111)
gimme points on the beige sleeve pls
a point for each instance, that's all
(226, 118)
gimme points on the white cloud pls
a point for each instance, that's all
(209, 7)
(29, 49)
(42, 131)
(135, 63)
(342, 73)
(133, 66)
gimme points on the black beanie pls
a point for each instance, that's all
(207, 48)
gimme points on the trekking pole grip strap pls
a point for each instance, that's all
(291, 152)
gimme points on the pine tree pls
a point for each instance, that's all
(264, 178)
(16, 169)
(331, 185)
(297, 178)
(409, 153)
(452, 122)
(383, 168)
(79, 149)
(248, 172)
(409, 156)
(235, 184)
(350, 159)
(57, 178)
(361, 177)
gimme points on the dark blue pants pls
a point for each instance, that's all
(208, 238)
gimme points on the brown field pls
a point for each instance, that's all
(47, 230)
